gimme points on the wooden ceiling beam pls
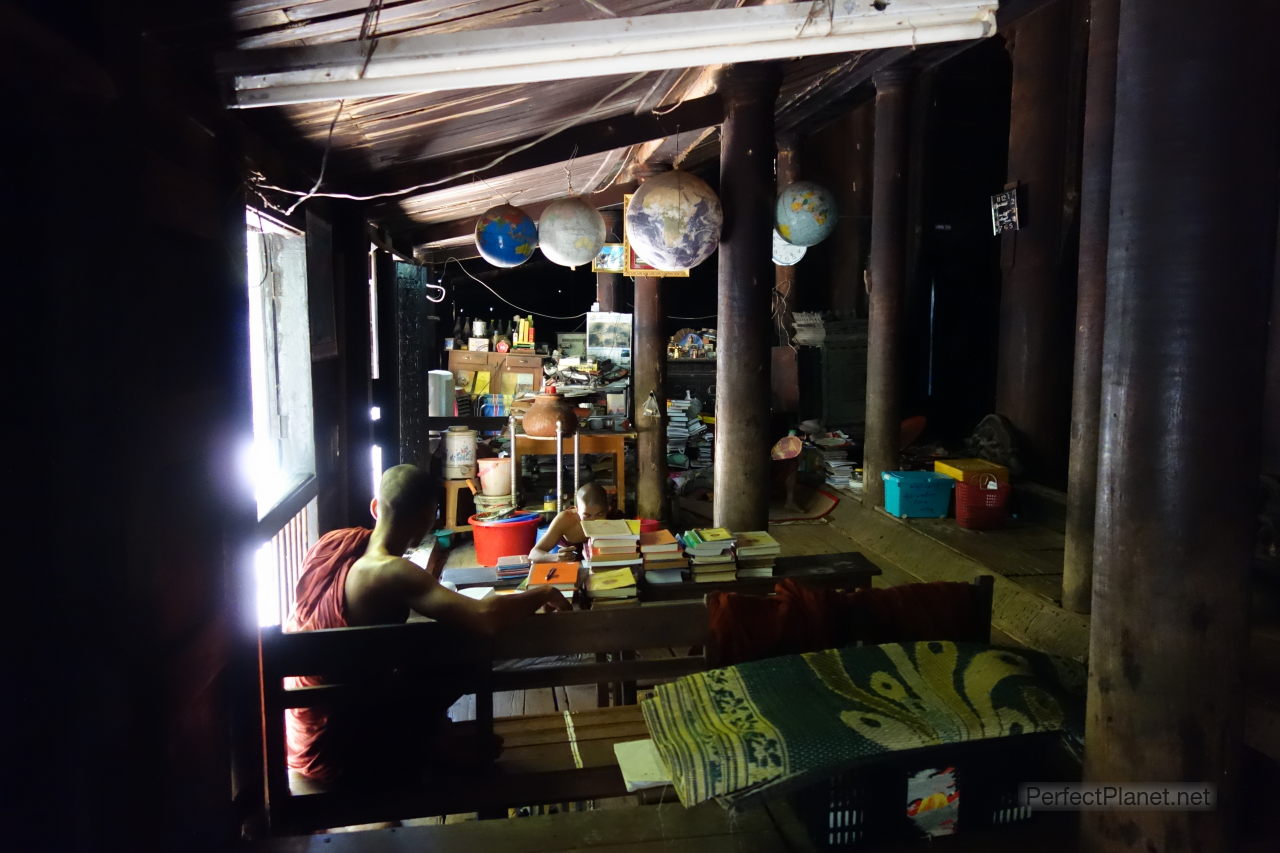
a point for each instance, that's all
(579, 141)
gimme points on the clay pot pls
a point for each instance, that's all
(541, 418)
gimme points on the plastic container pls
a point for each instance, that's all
(459, 453)
(917, 494)
(650, 525)
(502, 539)
(495, 477)
(967, 470)
(979, 506)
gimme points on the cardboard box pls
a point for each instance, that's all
(970, 470)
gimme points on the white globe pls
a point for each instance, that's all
(571, 232)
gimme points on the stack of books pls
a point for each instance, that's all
(663, 560)
(561, 576)
(756, 551)
(678, 432)
(710, 553)
(513, 568)
(837, 466)
(702, 443)
(611, 544)
(611, 587)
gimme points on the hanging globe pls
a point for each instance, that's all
(673, 221)
(571, 232)
(506, 236)
(806, 213)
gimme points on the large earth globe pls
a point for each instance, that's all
(673, 221)
(806, 213)
(571, 232)
(506, 236)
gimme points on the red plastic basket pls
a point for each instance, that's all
(980, 507)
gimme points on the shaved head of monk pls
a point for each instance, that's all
(407, 499)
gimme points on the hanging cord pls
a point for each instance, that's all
(503, 298)
(495, 161)
(368, 30)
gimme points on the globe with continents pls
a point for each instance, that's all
(806, 213)
(673, 221)
(506, 236)
(570, 232)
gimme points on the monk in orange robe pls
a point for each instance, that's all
(359, 577)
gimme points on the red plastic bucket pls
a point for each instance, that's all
(979, 507)
(494, 540)
(650, 525)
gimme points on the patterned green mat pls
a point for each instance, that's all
(738, 732)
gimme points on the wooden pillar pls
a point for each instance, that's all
(649, 373)
(784, 278)
(744, 296)
(1091, 297)
(607, 283)
(1189, 266)
(887, 281)
(1033, 379)
(1271, 393)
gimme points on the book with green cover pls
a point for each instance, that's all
(714, 534)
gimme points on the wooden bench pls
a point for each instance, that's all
(546, 759)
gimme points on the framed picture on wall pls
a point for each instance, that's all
(632, 265)
(609, 259)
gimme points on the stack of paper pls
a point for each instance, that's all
(756, 551)
(641, 765)
(702, 443)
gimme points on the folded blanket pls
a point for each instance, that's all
(744, 730)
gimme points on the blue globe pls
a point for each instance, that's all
(506, 236)
(806, 213)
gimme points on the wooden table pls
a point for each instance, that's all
(849, 570)
(613, 443)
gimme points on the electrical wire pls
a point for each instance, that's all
(503, 298)
(495, 161)
(703, 317)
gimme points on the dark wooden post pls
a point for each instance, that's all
(1033, 378)
(887, 281)
(649, 374)
(745, 296)
(649, 371)
(1091, 300)
(784, 278)
(1189, 267)
(607, 283)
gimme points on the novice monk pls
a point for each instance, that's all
(592, 503)
(358, 577)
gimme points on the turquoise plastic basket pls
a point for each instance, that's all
(917, 494)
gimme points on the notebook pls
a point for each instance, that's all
(562, 576)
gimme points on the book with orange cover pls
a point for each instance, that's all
(562, 576)
(658, 542)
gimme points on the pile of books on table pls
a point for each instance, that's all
(756, 551)
(611, 544)
(710, 553)
(611, 587)
(513, 568)
(663, 560)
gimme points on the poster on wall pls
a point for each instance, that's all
(632, 265)
(609, 336)
(609, 259)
